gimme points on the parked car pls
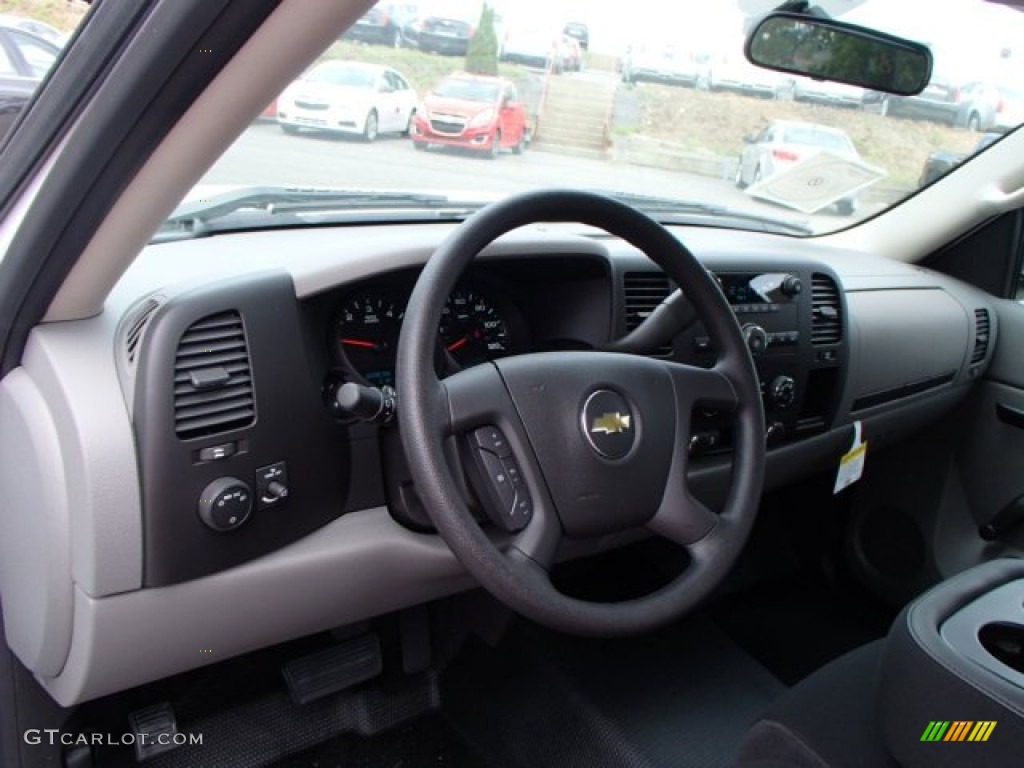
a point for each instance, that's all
(783, 144)
(1009, 109)
(14, 94)
(970, 105)
(348, 97)
(475, 112)
(23, 54)
(444, 28)
(383, 24)
(579, 31)
(939, 164)
(533, 45)
(664, 63)
(735, 73)
(827, 92)
(35, 27)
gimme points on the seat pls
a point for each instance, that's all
(828, 720)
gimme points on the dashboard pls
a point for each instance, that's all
(227, 497)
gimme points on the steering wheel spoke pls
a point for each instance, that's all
(702, 386)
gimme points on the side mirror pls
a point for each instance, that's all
(825, 49)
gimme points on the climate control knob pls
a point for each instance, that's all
(756, 338)
(225, 504)
(782, 391)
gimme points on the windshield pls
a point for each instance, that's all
(657, 101)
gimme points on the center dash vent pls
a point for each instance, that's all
(982, 329)
(644, 291)
(213, 390)
(827, 320)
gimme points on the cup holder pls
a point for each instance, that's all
(1004, 641)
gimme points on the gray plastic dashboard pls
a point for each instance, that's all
(73, 557)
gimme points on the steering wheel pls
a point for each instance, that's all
(577, 444)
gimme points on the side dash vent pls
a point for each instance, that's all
(826, 321)
(136, 326)
(213, 387)
(982, 331)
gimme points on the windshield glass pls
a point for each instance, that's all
(655, 101)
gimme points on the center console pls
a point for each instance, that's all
(952, 680)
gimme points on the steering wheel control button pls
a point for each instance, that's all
(271, 485)
(493, 440)
(608, 424)
(225, 504)
(499, 480)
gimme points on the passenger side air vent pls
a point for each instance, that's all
(982, 327)
(644, 291)
(136, 326)
(213, 389)
(827, 321)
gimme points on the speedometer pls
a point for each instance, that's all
(472, 330)
(366, 333)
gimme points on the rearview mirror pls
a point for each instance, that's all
(826, 49)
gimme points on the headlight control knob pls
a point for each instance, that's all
(782, 391)
(225, 504)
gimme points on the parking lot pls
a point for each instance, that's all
(266, 155)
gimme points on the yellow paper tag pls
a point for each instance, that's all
(851, 465)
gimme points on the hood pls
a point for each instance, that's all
(301, 89)
(457, 106)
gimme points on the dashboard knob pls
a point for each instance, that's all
(792, 286)
(774, 432)
(225, 504)
(756, 338)
(782, 391)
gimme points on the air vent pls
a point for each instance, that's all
(213, 390)
(827, 321)
(138, 323)
(982, 327)
(644, 292)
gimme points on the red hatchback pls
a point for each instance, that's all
(480, 113)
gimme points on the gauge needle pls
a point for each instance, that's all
(359, 343)
(458, 344)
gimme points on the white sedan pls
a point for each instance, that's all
(348, 97)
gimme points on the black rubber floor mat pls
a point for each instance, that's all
(683, 698)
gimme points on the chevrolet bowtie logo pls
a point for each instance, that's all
(611, 424)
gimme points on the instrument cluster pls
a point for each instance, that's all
(477, 325)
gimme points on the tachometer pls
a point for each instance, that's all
(472, 330)
(366, 332)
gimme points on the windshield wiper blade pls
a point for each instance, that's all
(666, 208)
(268, 201)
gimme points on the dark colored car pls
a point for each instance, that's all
(14, 95)
(578, 31)
(441, 31)
(24, 61)
(383, 24)
(970, 105)
(939, 164)
(483, 114)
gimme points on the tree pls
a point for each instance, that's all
(482, 53)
